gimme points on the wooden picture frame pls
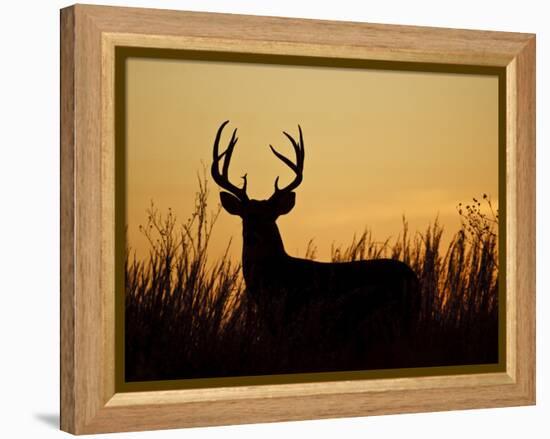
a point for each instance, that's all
(90, 402)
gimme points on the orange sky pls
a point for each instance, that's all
(378, 144)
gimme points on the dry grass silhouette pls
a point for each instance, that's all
(189, 317)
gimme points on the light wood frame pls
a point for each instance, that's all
(89, 35)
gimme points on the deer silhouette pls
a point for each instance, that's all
(356, 289)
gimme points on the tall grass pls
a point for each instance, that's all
(189, 317)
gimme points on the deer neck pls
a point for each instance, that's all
(262, 248)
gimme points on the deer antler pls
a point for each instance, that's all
(297, 167)
(223, 179)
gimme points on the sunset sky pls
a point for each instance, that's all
(378, 145)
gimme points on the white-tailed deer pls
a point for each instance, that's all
(360, 288)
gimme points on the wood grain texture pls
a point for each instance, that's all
(525, 219)
(311, 37)
(108, 216)
(67, 253)
(511, 212)
(89, 36)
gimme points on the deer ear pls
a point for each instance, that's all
(284, 202)
(231, 203)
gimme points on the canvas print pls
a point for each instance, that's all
(284, 218)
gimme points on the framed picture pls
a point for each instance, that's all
(277, 219)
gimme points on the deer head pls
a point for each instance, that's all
(258, 215)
